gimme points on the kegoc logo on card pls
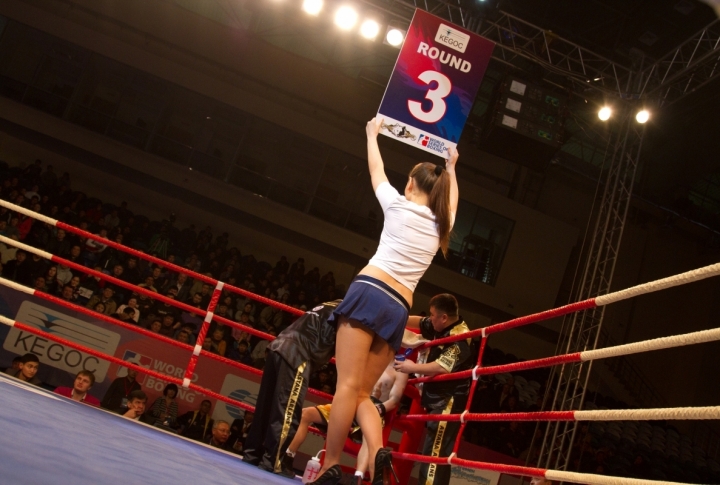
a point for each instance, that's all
(452, 38)
(58, 355)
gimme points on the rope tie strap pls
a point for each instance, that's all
(475, 375)
(450, 458)
(462, 416)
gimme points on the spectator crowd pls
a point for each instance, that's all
(40, 189)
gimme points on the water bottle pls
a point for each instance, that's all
(312, 469)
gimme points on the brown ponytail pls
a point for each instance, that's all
(437, 187)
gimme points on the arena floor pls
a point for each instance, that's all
(47, 439)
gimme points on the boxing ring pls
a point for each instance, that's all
(24, 409)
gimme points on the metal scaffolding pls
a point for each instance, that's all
(568, 383)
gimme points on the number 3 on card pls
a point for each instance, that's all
(436, 96)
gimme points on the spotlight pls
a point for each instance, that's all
(394, 36)
(312, 7)
(605, 113)
(345, 18)
(369, 29)
(643, 116)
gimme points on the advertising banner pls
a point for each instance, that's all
(59, 364)
(434, 83)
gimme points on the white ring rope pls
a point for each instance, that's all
(588, 478)
(6, 321)
(657, 285)
(707, 412)
(28, 212)
(16, 286)
(654, 344)
(25, 247)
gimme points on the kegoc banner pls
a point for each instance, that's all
(434, 83)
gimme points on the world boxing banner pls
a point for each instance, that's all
(434, 83)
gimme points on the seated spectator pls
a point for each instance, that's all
(12, 230)
(207, 346)
(181, 284)
(18, 269)
(205, 295)
(189, 329)
(127, 315)
(169, 326)
(136, 402)
(242, 353)
(118, 393)
(320, 379)
(131, 272)
(248, 308)
(164, 410)
(74, 255)
(155, 326)
(94, 249)
(51, 280)
(219, 435)
(239, 431)
(183, 336)
(64, 275)
(14, 366)
(106, 298)
(68, 294)
(121, 293)
(159, 280)
(59, 245)
(91, 286)
(133, 304)
(197, 424)
(27, 369)
(149, 284)
(37, 265)
(40, 284)
(162, 308)
(84, 381)
(271, 316)
(219, 344)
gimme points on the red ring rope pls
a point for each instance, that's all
(124, 363)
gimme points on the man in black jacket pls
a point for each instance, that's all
(299, 349)
(119, 391)
(441, 397)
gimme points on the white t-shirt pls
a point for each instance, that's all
(409, 239)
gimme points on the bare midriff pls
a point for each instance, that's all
(381, 275)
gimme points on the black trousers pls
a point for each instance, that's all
(439, 441)
(277, 413)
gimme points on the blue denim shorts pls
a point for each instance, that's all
(376, 305)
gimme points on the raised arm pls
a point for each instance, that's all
(450, 167)
(375, 161)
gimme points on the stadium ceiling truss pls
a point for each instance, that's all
(685, 69)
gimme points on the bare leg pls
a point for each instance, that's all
(309, 416)
(362, 458)
(367, 416)
(354, 367)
